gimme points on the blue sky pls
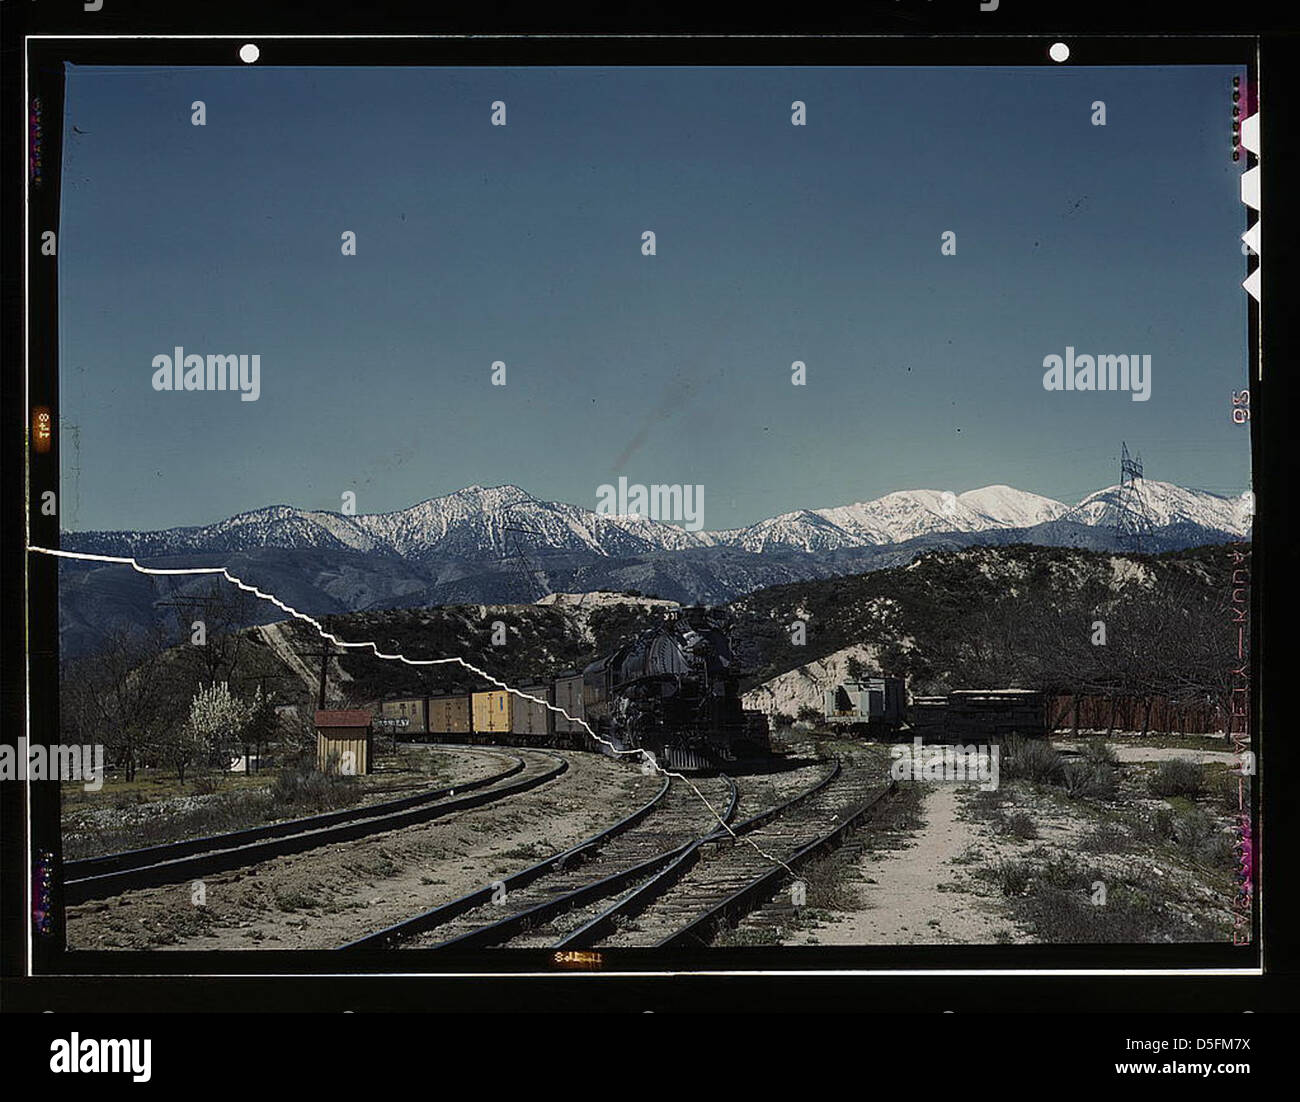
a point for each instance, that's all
(522, 243)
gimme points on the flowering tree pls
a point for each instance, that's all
(217, 719)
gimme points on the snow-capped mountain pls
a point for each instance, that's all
(1168, 506)
(487, 524)
(502, 545)
(901, 516)
(910, 514)
(476, 523)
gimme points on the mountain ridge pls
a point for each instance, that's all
(503, 520)
(500, 545)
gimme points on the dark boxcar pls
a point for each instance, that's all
(405, 716)
(568, 695)
(867, 703)
(532, 719)
(988, 712)
(929, 714)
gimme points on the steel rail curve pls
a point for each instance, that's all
(180, 861)
(505, 929)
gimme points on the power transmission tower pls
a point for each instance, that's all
(527, 572)
(1133, 521)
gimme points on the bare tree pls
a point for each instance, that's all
(119, 697)
(216, 613)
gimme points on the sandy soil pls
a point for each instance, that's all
(914, 896)
(928, 893)
(335, 894)
(1128, 753)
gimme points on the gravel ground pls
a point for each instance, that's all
(335, 894)
(929, 891)
(97, 823)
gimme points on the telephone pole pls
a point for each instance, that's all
(324, 653)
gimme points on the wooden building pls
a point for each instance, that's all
(344, 741)
(1202, 714)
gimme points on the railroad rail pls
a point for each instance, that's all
(661, 881)
(542, 891)
(98, 877)
(738, 878)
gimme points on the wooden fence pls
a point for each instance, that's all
(1158, 714)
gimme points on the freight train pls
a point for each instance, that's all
(673, 691)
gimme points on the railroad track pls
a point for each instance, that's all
(661, 880)
(735, 878)
(98, 877)
(592, 870)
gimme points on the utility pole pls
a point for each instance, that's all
(261, 679)
(325, 653)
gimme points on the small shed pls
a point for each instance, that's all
(344, 741)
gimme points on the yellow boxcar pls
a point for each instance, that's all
(409, 713)
(494, 712)
(449, 715)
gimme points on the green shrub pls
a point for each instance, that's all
(1232, 792)
(1031, 760)
(1090, 780)
(1106, 838)
(1177, 777)
(1162, 825)
(1099, 752)
(1018, 825)
(311, 790)
(986, 803)
(1012, 877)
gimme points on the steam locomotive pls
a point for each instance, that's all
(674, 691)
